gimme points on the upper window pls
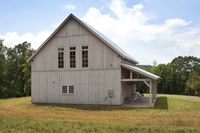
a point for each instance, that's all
(84, 56)
(60, 57)
(72, 57)
(84, 47)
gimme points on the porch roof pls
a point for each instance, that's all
(141, 71)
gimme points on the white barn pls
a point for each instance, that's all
(79, 65)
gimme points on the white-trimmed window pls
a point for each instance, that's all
(72, 57)
(71, 89)
(84, 56)
(64, 89)
(60, 57)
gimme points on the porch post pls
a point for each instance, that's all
(131, 75)
(150, 93)
(155, 89)
(134, 87)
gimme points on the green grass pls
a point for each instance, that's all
(172, 113)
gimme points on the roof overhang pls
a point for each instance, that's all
(140, 71)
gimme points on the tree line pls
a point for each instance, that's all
(180, 76)
(15, 71)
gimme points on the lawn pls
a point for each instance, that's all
(172, 113)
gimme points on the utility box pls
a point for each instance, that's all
(110, 93)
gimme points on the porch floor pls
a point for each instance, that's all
(140, 102)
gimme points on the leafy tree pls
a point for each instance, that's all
(17, 71)
(193, 83)
(165, 83)
(181, 68)
(2, 67)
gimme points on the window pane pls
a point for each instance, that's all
(84, 47)
(60, 49)
(71, 89)
(72, 57)
(60, 57)
(72, 48)
(64, 89)
(84, 56)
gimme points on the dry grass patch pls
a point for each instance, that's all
(172, 113)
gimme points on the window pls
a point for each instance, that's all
(60, 57)
(72, 57)
(64, 89)
(71, 89)
(84, 56)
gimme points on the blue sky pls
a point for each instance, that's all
(147, 29)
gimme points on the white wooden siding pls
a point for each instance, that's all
(100, 55)
(90, 84)
(90, 87)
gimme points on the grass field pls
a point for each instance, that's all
(171, 114)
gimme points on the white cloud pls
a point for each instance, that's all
(13, 38)
(128, 27)
(70, 7)
(176, 22)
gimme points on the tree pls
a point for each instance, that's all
(193, 83)
(181, 68)
(175, 75)
(165, 83)
(17, 71)
(2, 66)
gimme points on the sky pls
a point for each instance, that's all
(148, 30)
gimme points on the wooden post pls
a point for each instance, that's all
(134, 87)
(131, 75)
(150, 93)
(155, 89)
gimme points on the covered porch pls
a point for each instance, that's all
(131, 97)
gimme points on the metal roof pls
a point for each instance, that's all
(112, 45)
(141, 71)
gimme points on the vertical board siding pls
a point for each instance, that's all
(100, 55)
(91, 84)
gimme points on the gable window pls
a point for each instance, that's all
(71, 89)
(84, 56)
(64, 89)
(60, 57)
(72, 57)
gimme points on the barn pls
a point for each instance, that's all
(79, 65)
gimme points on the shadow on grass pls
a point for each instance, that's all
(161, 103)
(87, 107)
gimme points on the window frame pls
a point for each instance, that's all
(85, 57)
(61, 58)
(69, 87)
(72, 57)
(65, 88)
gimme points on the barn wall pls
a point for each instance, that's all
(73, 34)
(90, 86)
(90, 83)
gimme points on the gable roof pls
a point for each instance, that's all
(99, 35)
(141, 71)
